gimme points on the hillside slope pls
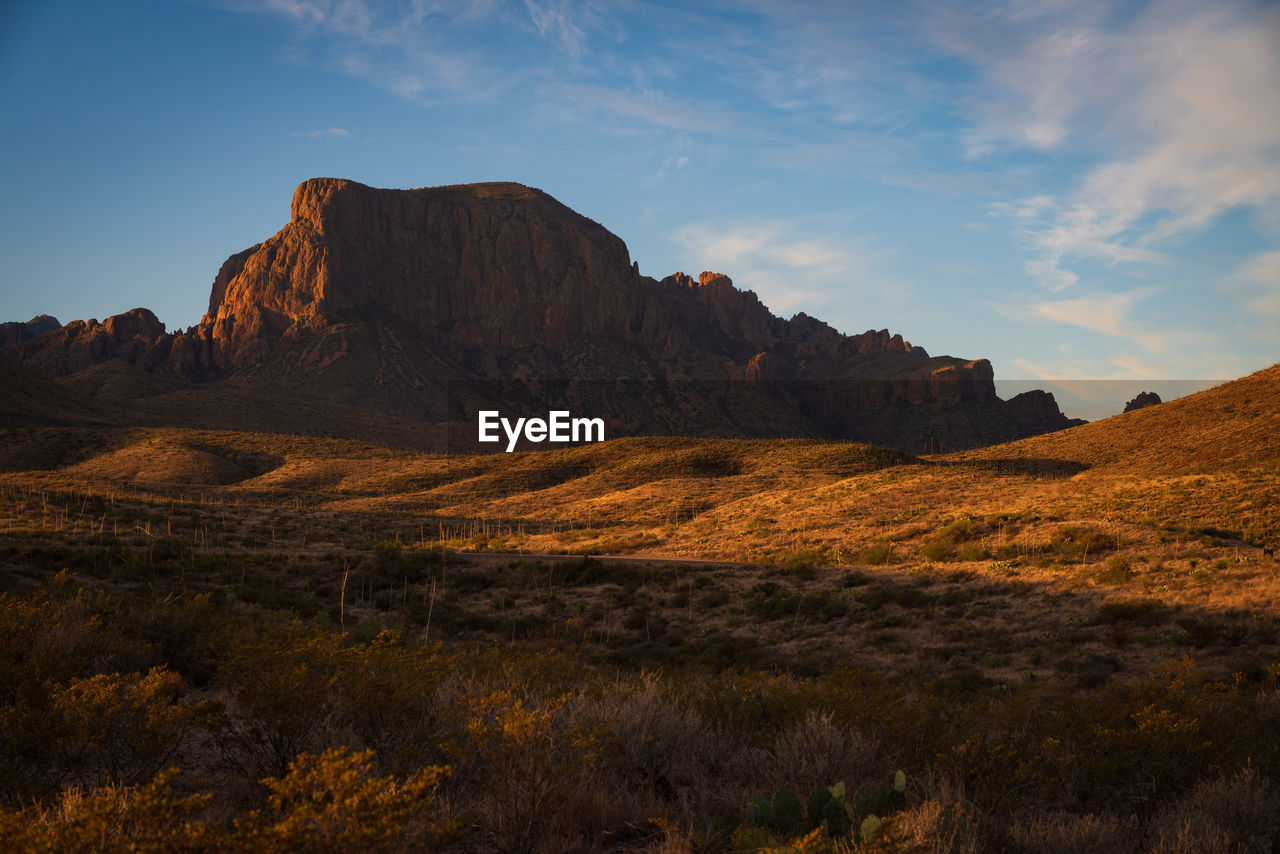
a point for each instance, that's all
(1233, 426)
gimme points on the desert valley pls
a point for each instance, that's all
(263, 590)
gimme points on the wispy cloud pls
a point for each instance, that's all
(1186, 91)
(329, 133)
(1103, 313)
(677, 159)
(555, 20)
(649, 107)
(1261, 277)
(419, 50)
(555, 56)
(782, 260)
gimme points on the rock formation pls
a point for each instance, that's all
(1144, 398)
(428, 304)
(13, 334)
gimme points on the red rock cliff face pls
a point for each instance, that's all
(399, 298)
(494, 266)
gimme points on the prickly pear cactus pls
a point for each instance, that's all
(761, 812)
(787, 813)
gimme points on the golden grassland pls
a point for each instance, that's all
(1110, 588)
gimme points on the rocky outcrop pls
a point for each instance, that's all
(1144, 398)
(1034, 405)
(13, 335)
(136, 337)
(481, 267)
(430, 303)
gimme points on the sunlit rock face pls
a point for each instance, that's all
(428, 303)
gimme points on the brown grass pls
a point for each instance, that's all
(978, 562)
(1085, 560)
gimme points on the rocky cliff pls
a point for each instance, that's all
(1143, 400)
(14, 334)
(428, 304)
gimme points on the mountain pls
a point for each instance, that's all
(13, 334)
(420, 307)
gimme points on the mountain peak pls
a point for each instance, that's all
(428, 302)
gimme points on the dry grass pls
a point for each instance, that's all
(1080, 562)
(986, 563)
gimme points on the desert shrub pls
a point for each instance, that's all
(854, 578)
(1159, 734)
(932, 827)
(959, 530)
(902, 595)
(281, 703)
(769, 600)
(669, 752)
(1076, 542)
(520, 764)
(186, 632)
(815, 751)
(387, 558)
(592, 571)
(714, 598)
(826, 604)
(959, 535)
(116, 728)
(878, 553)
(59, 632)
(333, 802)
(114, 818)
(384, 699)
(619, 545)
(804, 561)
(1065, 833)
(1118, 569)
(1227, 814)
(1202, 631)
(73, 708)
(938, 549)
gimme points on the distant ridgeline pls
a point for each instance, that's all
(398, 315)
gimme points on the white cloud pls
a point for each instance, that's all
(650, 107)
(677, 159)
(1261, 275)
(1186, 94)
(533, 51)
(331, 133)
(789, 267)
(412, 48)
(1105, 314)
(554, 19)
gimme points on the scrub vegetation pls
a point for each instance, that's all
(228, 641)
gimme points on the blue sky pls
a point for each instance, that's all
(1075, 190)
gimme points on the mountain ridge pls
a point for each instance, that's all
(431, 303)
